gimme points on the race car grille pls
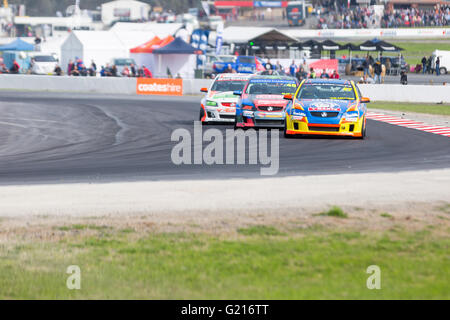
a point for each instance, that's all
(226, 116)
(324, 129)
(326, 114)
(270, 108)
(269, 122)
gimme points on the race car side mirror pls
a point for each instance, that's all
(204, 90)
(237, 93)
(288, 97)
(365, 100)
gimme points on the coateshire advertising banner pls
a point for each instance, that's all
(167, 87)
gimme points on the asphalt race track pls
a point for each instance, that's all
(53, 138)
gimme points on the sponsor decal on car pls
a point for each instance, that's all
(324, 106)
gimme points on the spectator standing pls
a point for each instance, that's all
(365, 66)
(147, 72)
(114, 71)
(133, 70)
(429, 70)
(292, 69)
(3, 68)
(301, 74)
(424, 64)
(70, 67)
(268, 65)
(334, 75)
(140, 72)
(438, 66)
(324, 75)
(37, 43)
(75, 72)
(126, 72)
(15, 67)
(279, 67)
(93, 69)
(377, 71)
(304, 65)
(229, 69)
(58, 70)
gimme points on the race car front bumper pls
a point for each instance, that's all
(260, 119)
(213, 114)
(300, 125)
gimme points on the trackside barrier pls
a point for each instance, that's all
(406, 93)
(380, 92)
(68, 84)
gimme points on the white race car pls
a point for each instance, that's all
(219, 103)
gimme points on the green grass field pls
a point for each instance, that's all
(428, 108)
(413, 53)
(258, 262)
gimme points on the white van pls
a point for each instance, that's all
(444, 61)
(43, 63)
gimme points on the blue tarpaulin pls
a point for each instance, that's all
(177, 46)
(17, 45)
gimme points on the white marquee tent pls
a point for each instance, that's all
(101, 46)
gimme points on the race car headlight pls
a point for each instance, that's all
(298, 116)
(211, 103)
(351, 116)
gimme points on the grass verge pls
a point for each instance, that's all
(334, 212)
(427, 108)
(413, 50)
(253, 263)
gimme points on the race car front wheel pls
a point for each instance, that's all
(286, 135)
(363, 130)
(201, 116)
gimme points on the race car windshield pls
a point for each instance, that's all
(271, 87)
(326, 91)
(228, 85)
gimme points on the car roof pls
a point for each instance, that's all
(327, 81)
(236, 76)
(258, 76)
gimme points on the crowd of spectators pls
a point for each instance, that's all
(348, 18)
(412, 17)
(360, 18)
(77, 68)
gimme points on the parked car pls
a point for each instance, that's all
(121, 63)
(208, 67)
(242, 64)
(43, 63)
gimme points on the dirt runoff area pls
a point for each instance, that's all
(370, 201)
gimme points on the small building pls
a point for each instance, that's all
(261, 41)
(124, 10)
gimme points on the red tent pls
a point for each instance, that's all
(147, 47)
(153, 44)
